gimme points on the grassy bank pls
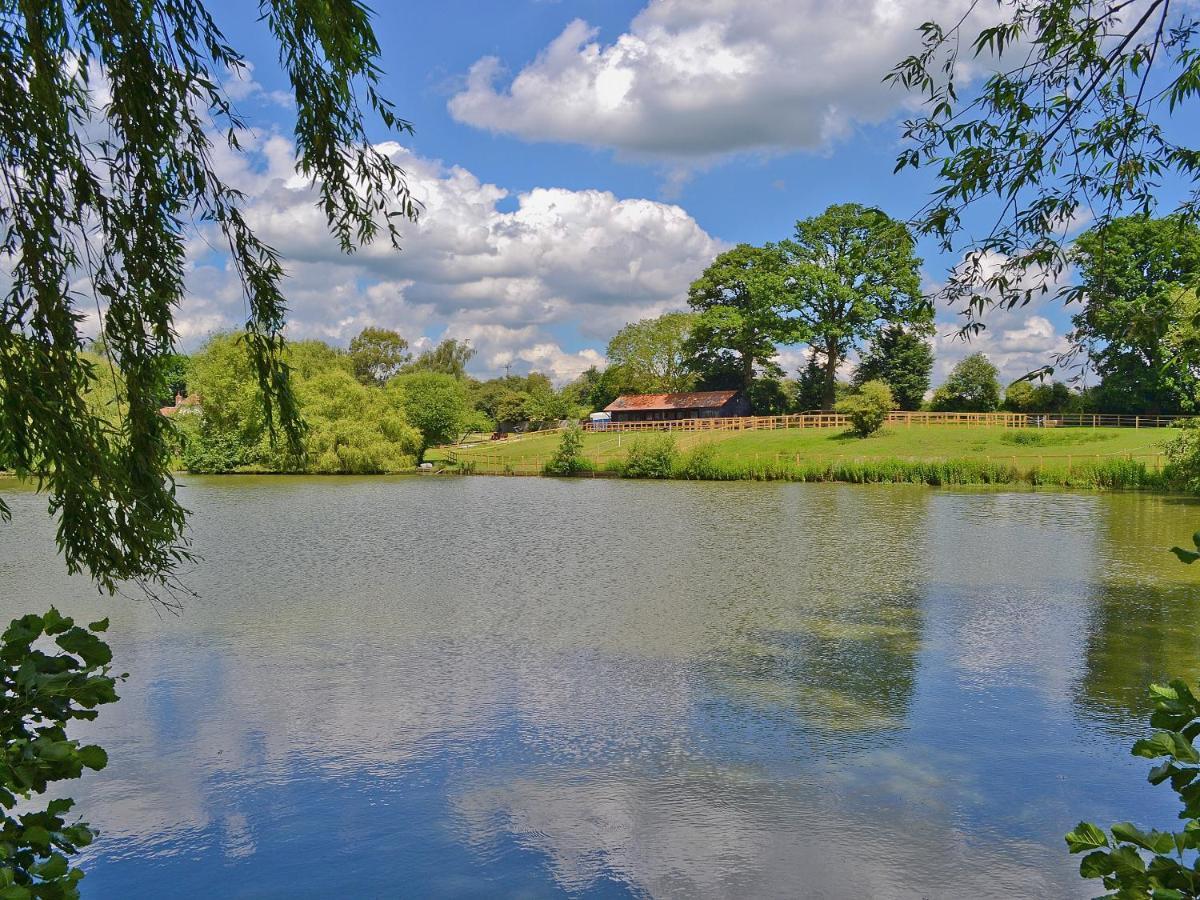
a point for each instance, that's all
(933, 454)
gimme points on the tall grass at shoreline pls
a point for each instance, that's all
(933, 455)
(1114, 473)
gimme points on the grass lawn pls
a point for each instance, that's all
(1051, 447)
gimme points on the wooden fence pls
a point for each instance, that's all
(903, 419)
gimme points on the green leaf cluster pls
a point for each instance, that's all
(1141, 315)
(651, 355)
(1156, 865)
(843, 278)
(1073, 122)
(903, 358)
(52, 672)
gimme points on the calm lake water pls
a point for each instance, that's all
(436, 687)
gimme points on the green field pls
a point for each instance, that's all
(917, 442)
(907, 453)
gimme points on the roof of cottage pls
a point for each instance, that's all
(688, 400)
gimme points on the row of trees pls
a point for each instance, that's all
(375, 407)
(847, 282)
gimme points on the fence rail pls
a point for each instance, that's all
(905, 419)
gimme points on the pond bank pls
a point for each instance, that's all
(1105, 474)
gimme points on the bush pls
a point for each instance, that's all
(700, 464)
(651, 457)
(1183, 455)
(868, 409)
(568, 459)
(44, 688)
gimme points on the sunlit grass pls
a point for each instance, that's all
(1046, 447)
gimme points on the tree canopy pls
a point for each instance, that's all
(378, 354)
(740, 299)
(851, 271)
(973, 386)
(448, 357)
(903, 360)
(436, 405)
(652, 354)
(1071, 125)
(1139, 318)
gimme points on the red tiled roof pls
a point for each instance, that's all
(693, 400)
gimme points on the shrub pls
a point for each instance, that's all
(568, 459)
(700, 464)
(1183, 456)
(867, 409)
(651, 457)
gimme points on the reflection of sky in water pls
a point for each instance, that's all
(523, 688)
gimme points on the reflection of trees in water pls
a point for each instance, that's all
(838, 644)
(1139, 634)
(851, 671)
(1145, 621)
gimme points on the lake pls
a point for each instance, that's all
(445, 687)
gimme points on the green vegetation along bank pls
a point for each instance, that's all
(932, 454)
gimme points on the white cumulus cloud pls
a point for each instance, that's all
(698, 79)
(540, 286)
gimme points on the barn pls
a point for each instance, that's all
(674, 407)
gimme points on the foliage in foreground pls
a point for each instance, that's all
(1073, 118)
(107, 135)
(868, 408)
(1119, 857)
(45, 688)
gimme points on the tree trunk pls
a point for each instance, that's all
(747, 376)
(831, 362)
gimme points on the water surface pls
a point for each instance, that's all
(435, 687)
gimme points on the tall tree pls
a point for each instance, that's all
(1138, 321)
(653, 353)
(378, 354)
(741, 299)
(435, 404)
(851, 271)
(449, 357)
(1072, 123)
(902, 359)
(973, 386)
(105, 151)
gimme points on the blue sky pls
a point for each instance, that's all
(582, 161)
